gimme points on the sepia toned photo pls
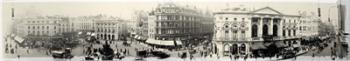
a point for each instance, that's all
(175, 30)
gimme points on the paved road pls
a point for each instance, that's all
(327, 51)
(117, 45)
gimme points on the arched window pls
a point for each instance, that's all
(254, 30)
(265, 30)
(275, 30)
(289, 32)
(284, 33)
(226, 47)
(242, 49)
(294, 33)
(234, 49)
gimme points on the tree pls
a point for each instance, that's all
(64, 40)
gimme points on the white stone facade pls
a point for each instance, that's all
(106, 28)
(240, 29)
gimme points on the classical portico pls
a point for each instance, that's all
(265, 27)
(261, 25)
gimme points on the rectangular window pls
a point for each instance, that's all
(169, 17)
(177, 17)
(164, 17)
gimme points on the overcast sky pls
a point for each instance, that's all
(125, 9)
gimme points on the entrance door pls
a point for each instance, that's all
(265, 30)
(275, 30)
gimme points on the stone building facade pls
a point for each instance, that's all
(240, 31)
(106, 28)
(173, 22)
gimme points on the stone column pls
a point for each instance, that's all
(230, 35)
(248, 49)
(239, 35)
(260, 25)
(280, 28)
(270, 26)
(220, 49)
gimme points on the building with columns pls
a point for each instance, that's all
(83, 23)
(240, 30)
(41, 26)
(105, 28)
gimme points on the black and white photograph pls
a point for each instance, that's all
(175, 30)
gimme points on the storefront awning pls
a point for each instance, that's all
(258, 46)
(19, 39)
(163, 42)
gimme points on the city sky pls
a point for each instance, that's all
(126, 9)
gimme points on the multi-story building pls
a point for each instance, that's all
(172, 22)
(41, 26)
(240, 30)
(107, 28)
(309, 24)
(85, 23)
